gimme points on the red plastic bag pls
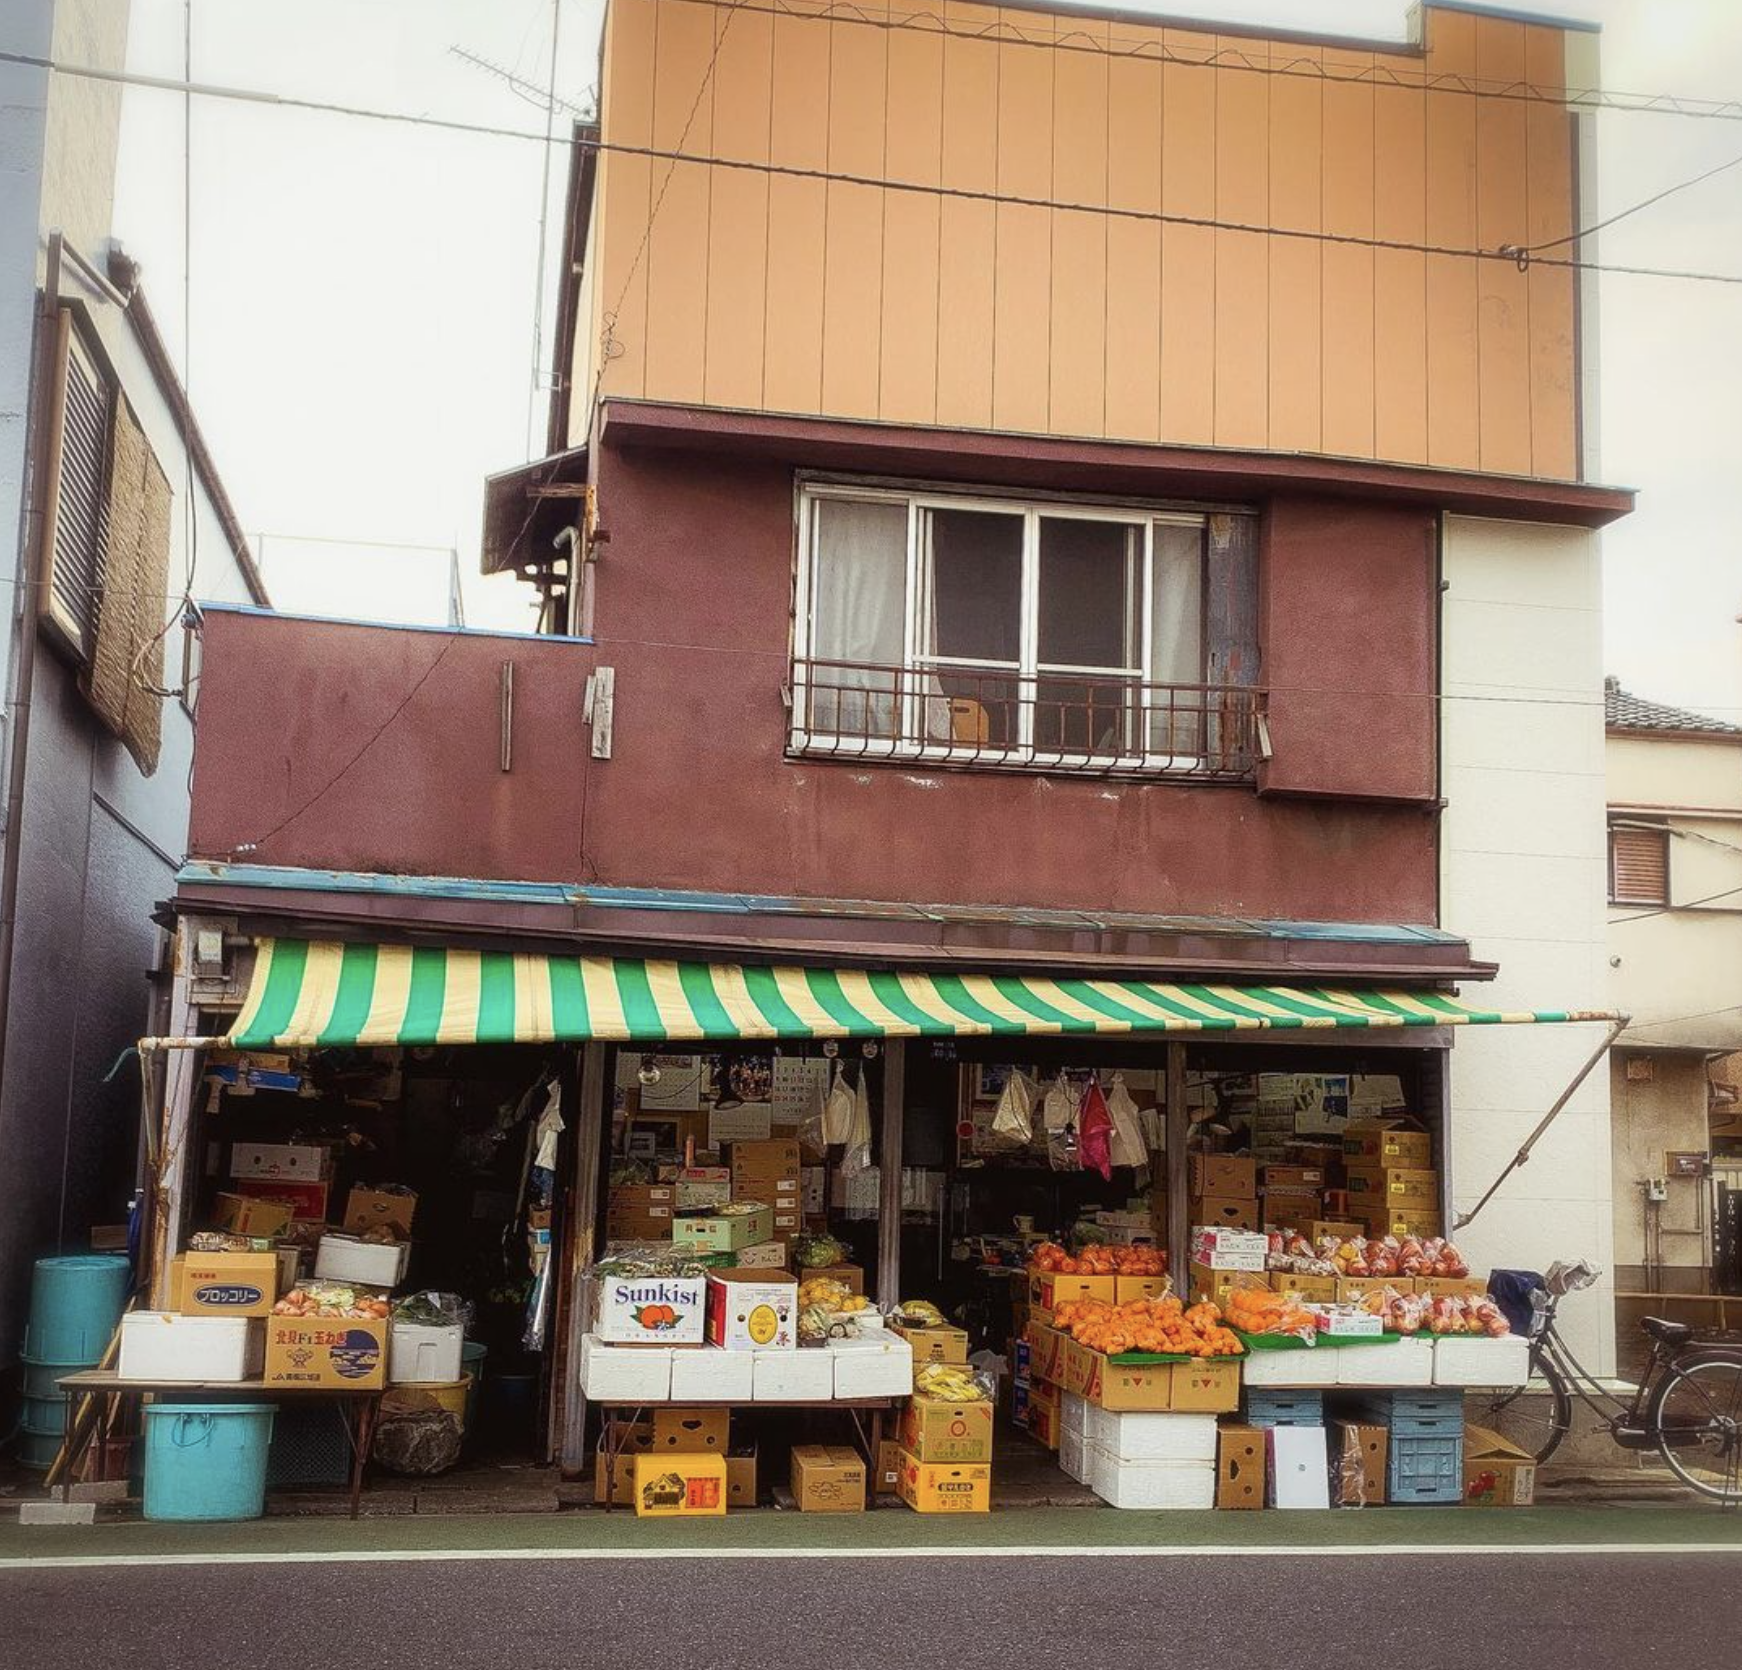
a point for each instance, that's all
(1095, 1132)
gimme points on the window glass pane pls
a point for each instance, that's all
(858, 608)
(1091, 593)
(1179, 722)
(974, 608)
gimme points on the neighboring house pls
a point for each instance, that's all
(103, 480)
(940, 583)
(1675, 954)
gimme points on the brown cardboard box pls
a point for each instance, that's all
(888, 1467)
(1452, 1287)
(679, 1486)
(1128, 1388)
(1239, 1467)
(1287, 1209)
(741, 1479)
(1294, 1179)
(1345, 1229)
(1138, 1287)
(1047, 1291)
(1358, 1465)
(945, 1487)
(828, 1478)
(692, 1431)
(1393, 1188)
(637, 1440)
(1224, 1212)
(248, 1215)
(1043, 1414)
(308, 1200)
(1222, 1174)
(367, 1209)
(1401, 1222)
(936, 1345)
(1352, 1289)
(224, 1284)
(640, 1212)
(850, 1276)
(1386, 1142)
(342, 1352)
(1205, 1388)
(933, 1430)
(1497, 1473)
(1317, 1288)
(1216, 1285)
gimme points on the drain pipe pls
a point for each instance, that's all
(30, 574)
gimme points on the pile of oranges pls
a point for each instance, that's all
(1049, 1258)
(1158, 1325)
(1256, 1310)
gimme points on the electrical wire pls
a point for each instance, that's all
(1679, 904)
(1509, 253)
(1533, 250)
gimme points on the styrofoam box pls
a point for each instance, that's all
(1151, 1437)
(710, 1375)
(1404, 1362)
(345, 1258)
(1152, 1484)
(159, 1345)
(288, 1162)
(625, 1373)
(1296, 1466)
(420, 1353)
(1318, 1365)
(806, 1376)
(1481, 1362)
(1073, 1412)
(880, 1365)
(1074, 1455)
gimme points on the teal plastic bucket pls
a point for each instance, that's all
(45, 1415)
(43, 1379)
(37, 1450)
(75, 1304)
(472, 1356)
(206, 1460)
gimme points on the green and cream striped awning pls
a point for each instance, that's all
(317, 993)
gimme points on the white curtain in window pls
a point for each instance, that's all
(858, 612)
(1176, 654)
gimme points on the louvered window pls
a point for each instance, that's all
(79, 553)
(1638, 866)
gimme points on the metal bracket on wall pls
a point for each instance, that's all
(600, 698)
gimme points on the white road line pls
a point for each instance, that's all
(1201, 1551)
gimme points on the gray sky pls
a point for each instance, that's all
(363, 294)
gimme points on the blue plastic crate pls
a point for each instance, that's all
(1266, 1406)
(1416, 1414)
(1424, 1469)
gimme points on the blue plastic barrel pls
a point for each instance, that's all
(206, 1460)
(472, 1356)
(75, 1304)
(37, 1450)
(43, 1415)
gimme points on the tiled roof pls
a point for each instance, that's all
(1623, 711)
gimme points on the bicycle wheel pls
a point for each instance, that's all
(1536, 1418)
(1696, 1414)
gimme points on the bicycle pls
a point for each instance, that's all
(1687, 1405)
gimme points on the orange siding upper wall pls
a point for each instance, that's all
(726, 287)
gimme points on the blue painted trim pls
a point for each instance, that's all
(1512, 14)
(285, 879)
(390, 625)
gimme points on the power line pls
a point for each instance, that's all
(1532, 250)
(1681, 904)
(1509, 253)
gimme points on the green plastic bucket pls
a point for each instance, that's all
(206, 1460)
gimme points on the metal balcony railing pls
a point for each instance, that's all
(994, 718)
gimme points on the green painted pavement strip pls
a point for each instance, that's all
(1428, 1529)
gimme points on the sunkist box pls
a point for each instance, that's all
(650, 1310)
(346, 1353)
(224, 1284)
(828, 1478)
(933, 1430)
(680, 1486)
(752, 1309)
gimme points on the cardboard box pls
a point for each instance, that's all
(765, 1255)
(1209, 1387)
(1128, 1388)
(936, 1345)
(945, 1487)
(640, 1212)
(888, 1476)
(343, 1258)
(692, 1431)
(1401, 1222)
(252, 1216)
(1042, 1415)
(307, 1201)
(767, 1171)
(1357, 1457)
(1078, 1366)
(1452, 1287)
(851, 1276)
(1351, 1290)
(1497, 1473)
(341, 1352)
(1306, 1180)
(1345, 1229)
(1308, 1287)
(828, 1478)
(289, 1162)
(704, 1186)
(1138, 1287)
(1295, 1466)
(1224, 1212)
(638, 1439)
(224, 1284)
(787, 1224)
(680, 1486)
(1045, 1347)
(716, 1232)
(752, 1310)
(1393, 1189)
(1239, 1467)
(1386, 1142)
(1047, 1291)
(1216, 1285)
(933, 1430)
(1229, 1249)
(650, 1310)
(1222, 1174)
(741, 1478)
(1281, 1209)
(367, 1209)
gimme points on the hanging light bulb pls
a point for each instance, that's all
(649, 1071)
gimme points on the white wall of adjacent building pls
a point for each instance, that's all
(1523, 873)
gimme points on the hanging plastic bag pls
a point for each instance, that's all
(838, 1110)
(813, 1145)
(1127, 1144)
(1059, 1110)
(1095, 1132)
(858, 1155)
(1013, 1123)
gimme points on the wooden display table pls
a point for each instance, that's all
(360, 1410)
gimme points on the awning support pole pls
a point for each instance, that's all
(1179, 1229)
(890, 1156)
(1522, 1157)
(583, 1206)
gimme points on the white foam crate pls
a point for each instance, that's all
(625, 1373)
(1404, 1362)
(1073, 1412)
(159, 1345)
(1151, 1484)
(1074, 1455)
(877, 1366)
(1317, 1365)
(420, 1353)
(1158, 1437)
(707, 1374)
(795, 1376)
(1480, 1361)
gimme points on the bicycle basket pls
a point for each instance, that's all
(1522, 1298)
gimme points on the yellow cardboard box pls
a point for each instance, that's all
(933, 1430)
(680, 1486)
(1208, 1387)
(1307, 1287)
(225, 1284)
(1047, 1291)
(1497, 1473)
(690, 1431)
(346, 1353)
(251, 1216)
(1239, 1467)
(828, 1478)
(936, 1345)
(1138, 1287)
(945, 1487)
(1043, 1415)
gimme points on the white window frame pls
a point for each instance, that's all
(911, 744)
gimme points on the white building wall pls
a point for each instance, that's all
(1522, 860)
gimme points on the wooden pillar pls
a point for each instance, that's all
(1179, 1230)
(182, 1072)
(889, 1173)
(584, 1213)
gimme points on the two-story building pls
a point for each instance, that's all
(1063, 537)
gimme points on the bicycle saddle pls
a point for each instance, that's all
(1667, 1332)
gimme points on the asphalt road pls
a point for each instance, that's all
(1227, 1612)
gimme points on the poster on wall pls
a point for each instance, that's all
(1321, 1103)
(677, 1089)
(800, 1082)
